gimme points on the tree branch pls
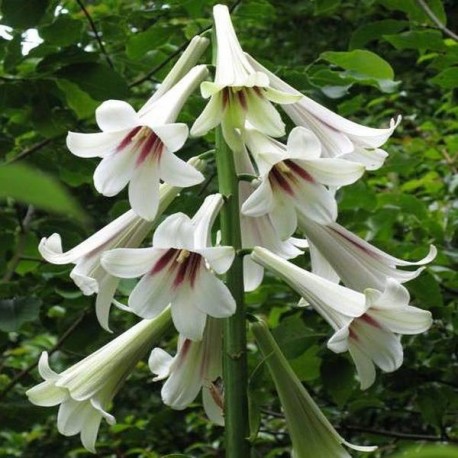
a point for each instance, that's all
(69, 331)
(96, 33)
(429, 12)
(32, 149)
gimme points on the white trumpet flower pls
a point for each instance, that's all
(197, 366)
(339, 137)
(366, 324)
(179, 269)
(126, 231)
(338, 253)
(312, 435)
(293, 179)
(137, 148)
(85, 390)
(239, 92)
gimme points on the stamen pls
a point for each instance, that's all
(184, 254)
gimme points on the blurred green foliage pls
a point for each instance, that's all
(369, 60)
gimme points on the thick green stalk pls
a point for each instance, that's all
(234, 355)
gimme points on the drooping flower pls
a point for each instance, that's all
(367, 324)
(338, 253)
(179, 269)
(128, 230)
(293, 179)
(197, 366)
(339, 137)
(137, 148)
(85, 390)
(312, 435)
(239, 92)
(373, 338)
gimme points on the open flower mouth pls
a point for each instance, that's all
(182, 265)
(288, 175)
(144, 141)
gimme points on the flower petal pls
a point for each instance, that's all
(334, 172)
(107, 290)
(303, 144)
(176, 231)
(94, 145)
(177, 172)
(159, 363)
(210, 117)
(316, 202)
(252, 274)
(261, 200)
(212, 408)
(144, 189)
(130, 262)
(364, 366)
(115, 115)
(220, 258)
(187, 318)
(90, 430)
(172, 135)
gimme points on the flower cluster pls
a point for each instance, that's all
(288, 205)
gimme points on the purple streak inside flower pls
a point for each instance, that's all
(128, 139)
(189, 268)
(299, 171)
(277, 177)
(164, 260)
(151, 144)
(369, 320)
(242, 99)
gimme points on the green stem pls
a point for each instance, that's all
(234, 355)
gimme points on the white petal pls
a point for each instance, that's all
(408, 320)
(71, 416)
(261, 201)
(263, 115)
(303, 144)
(209, 88)
(321, 266)
(187, 318)
(104, 300)
(220, 258)
(212, 296)
(204, 218)
(114, 172)
(364, 366)
(151, 294)
(90, 430)
(159, 363)
(210, 117)
(172, 135)
(316, 202)
(46, 394)
(144, 189)
(372, 159)
(94, 145)
(51, 250)
(44, 369)
(176, 231)
(334, 172)
(284, 218)
(338, 343)
(252, 274)
(214, 411)
(115, 115)
(130, 262)
(276, 96)
(177, 172)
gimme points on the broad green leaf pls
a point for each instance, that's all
(338, 376)
(307, 366)
(417, 39)
(64, 31)
(79, 101)
(448, 79)
(375, 30)
(23, 13)
(361, 61)
(427, 291)
(326, 6)
(33, 187)
(429, 451)
(414, 12)
(141, 43)
(98, 80)
(14, 312)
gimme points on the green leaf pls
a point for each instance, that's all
(361, 61)
(338, 376)
(417, 39)
(99, 81)
(427, 291)
(448, 79)
(429, 451)
(141, 43)
(64, 31)
(30, 186)
(307, 366)
(14, 312)
(375, 30)
(23, 14)
(79, 101)
(326, 6)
